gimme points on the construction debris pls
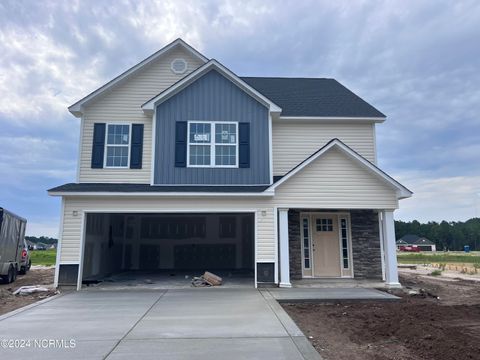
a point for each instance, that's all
(207, 279)
(27, 290)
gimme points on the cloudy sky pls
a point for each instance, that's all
(416, 61)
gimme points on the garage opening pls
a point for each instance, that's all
(167, 250)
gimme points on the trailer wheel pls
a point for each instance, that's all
(11, 276)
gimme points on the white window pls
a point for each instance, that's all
(345, 247)
(306, 243)
(117, 145)
(212, 144)
(324, 224)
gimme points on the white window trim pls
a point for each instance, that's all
(212, 144)
(107, 145)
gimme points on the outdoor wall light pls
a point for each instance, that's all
(74, 212)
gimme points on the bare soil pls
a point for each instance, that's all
(440, 321)
(36, 276)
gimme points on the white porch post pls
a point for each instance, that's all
(284, 254)
(390, 249)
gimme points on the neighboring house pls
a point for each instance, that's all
(185, 165)
(422, 243)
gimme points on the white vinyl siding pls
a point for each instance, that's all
(71, 236)
(334, 181)
(123, 105)
(293, 141)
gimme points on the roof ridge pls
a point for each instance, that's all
(287, 77)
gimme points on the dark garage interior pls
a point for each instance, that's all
(161, 248)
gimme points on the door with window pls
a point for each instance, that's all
(325, 246)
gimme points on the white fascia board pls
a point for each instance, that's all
(266, 193)
(77, 108)
(336, 119)
(149, 106)
(402, 191)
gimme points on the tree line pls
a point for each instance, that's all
(451, 235)
(41, 239)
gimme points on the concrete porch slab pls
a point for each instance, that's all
(329, 294)
(338, 283)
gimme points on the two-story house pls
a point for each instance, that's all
(183, 165)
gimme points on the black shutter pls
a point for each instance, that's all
(244, 145)
(98, 147)
(136, 148)
(181, 144)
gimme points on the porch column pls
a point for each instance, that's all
(284, 253)
(390, 249)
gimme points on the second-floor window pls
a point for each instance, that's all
(117, 145)
(212, 144)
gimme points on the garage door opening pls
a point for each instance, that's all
(167, 250)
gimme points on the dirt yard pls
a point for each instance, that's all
(420, 326)
(36, 276)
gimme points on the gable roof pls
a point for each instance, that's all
(310, 98)
(415, 239)
(76, 108)
(402, 191)
(424, 241)
(313, 97)
(213, 64)
(409, 238)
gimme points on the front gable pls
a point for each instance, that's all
(212, 97)
(336, 180)
(121, 104)
(156, 69)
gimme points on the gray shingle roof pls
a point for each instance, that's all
(312, 97)
(130, 188)
(415, 240)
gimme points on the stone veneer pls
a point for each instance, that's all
(367, 261)
(294, 244)
(365, 244)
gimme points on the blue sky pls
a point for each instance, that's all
(416, 61)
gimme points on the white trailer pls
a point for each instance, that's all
(12, 234)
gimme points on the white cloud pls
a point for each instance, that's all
(39, 76)
(44, 228)
(446, 198)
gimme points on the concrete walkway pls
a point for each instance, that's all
(167, 324)
(329, 294)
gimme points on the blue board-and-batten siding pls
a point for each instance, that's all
(211, 98)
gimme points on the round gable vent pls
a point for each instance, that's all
(179, 66)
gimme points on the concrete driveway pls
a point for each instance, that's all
(168, 324)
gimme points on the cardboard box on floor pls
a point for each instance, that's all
(212, 279)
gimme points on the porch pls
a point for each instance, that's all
(352, 248)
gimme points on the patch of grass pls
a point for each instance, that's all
(423, 258)
(43, 257)
(436, 273)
